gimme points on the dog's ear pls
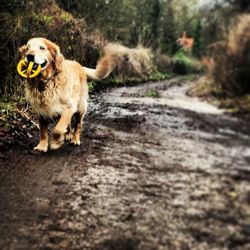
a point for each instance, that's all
(22, 50)
(58, 60)
(57, 56)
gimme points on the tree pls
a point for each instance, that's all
(169, 32)
(242, 5)
(197, 48)
(155, 23)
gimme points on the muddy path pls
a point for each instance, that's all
(152, 173)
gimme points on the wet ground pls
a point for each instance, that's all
(156, 170)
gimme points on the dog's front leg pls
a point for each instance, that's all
(44, 138)
(60, 129)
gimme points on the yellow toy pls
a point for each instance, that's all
(28, 70)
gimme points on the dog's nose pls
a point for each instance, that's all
(30, 58)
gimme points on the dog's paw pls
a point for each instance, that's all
(55, 145)
(41, 147)
(68, 136)
(75, 142)
(57, 141)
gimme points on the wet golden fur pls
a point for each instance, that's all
(60, 89)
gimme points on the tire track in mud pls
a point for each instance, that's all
(149, 175)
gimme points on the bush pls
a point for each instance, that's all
(231, 60)
(135, 62)
(184, 64)
(163, 62)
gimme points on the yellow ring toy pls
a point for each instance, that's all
(28, 70)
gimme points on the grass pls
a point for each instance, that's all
(9, 106)
(207, 89)
(92, 86)
(190, 77)
(181, 56)
(204, 86)
(158, 76)
(231, 63)
(114, 81)
(185, 64)
(6, 106)
(239, 104)
(152, 93)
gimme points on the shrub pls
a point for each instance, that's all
(184, 64)
(163, 62)
(231, 60)
(135, 62)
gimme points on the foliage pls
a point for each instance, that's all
(228, 75)
(163, 62)
(152, 93)
(44, 19)
(219, 17)
(88, 25)
(231, 59)
(236, 104)
(151, 23)
(197, 49)
(240, 5)
(205, 87)
(131, 62)
(170, 34)
(185, 64)
(136, 22)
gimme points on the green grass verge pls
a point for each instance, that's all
(205, 88)
(114, 81)
(186, 64)
(153, 93)
(239, 104)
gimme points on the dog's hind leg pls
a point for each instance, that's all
(78, 119)
(72, 127)
(77, 128)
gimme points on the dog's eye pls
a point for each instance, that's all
(42, 48)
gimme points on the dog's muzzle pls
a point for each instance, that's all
(36, 59)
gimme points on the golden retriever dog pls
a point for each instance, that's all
(59, 90)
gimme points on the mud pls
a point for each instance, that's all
(170, 172)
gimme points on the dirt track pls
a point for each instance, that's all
(152, 173)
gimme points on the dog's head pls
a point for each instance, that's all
(43, 52)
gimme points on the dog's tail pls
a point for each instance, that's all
(114, 54)
(104, 67)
